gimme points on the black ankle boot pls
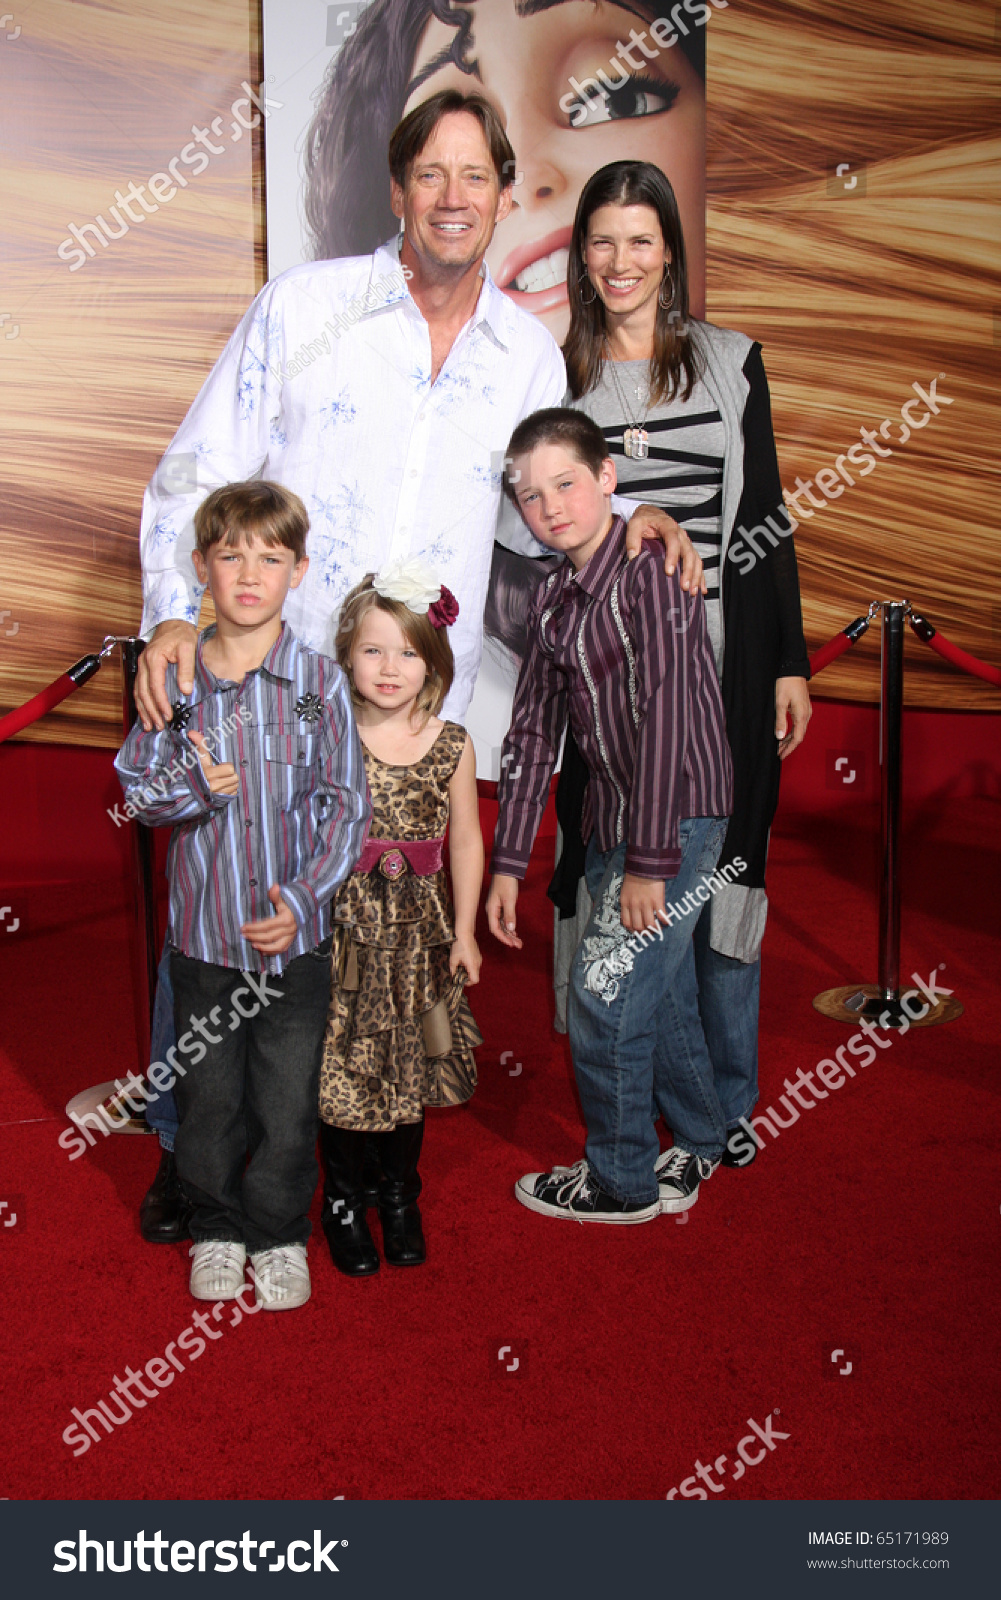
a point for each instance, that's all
(165, 1212)
(402, 1235)
(352, 1247)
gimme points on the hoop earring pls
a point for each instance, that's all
(583, 278)
(667, 278)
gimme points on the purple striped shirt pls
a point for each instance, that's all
(626, 651)
(299, 818)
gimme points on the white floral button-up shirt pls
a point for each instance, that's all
(325, 387)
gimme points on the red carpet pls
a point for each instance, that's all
(867, 1227)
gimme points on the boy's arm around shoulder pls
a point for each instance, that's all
(339, 832)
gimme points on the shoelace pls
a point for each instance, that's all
(284, 1262)
(221, 1255)
(573, 1182)
(675, 1165)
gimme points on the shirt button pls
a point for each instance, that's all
(302, 755)
(243, 763)
(249, 823)
(414, 473)
(252, 882)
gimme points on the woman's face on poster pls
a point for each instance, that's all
(527, 52)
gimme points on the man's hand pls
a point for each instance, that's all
(172, 641)
(466, 953)
(274, 934)
(650, 522)
(640, 899)
(222, 779)
(792, 713)
(501, 902)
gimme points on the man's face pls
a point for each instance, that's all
(561, 500)
(452, 199)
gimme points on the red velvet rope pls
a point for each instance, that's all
(829, 652)
(42, 703)
(962, 659)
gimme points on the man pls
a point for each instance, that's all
(382, 390)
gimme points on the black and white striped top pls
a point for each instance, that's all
(683, 472)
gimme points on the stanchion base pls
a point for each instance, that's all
(88, 1101)
(854, 1001)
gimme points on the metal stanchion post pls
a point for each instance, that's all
(146, 954)
(102, 1105)
(882, 1002)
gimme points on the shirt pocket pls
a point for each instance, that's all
(289, 762)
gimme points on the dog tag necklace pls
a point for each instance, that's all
(635, 439)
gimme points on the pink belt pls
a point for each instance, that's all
(392, 856)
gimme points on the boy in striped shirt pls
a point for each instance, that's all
(261, 842)
(624, 652)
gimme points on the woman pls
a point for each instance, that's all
(684, 406)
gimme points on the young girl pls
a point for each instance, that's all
(401, 1035)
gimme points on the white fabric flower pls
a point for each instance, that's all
(412, 582)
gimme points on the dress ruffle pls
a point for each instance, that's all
(400, 1034)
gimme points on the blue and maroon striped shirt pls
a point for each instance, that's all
(622, 648)
(299, 818)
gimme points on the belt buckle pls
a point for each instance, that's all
(393, 864)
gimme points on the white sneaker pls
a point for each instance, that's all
(281, 1277)
(679, 1174)
(217, 1269)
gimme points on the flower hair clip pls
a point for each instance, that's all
(414, 585)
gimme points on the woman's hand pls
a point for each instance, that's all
(466, 953)
(792, 713)
(502, 901)
(640, 900)
(650, 522)
(172, 641)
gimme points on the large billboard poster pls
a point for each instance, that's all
(575, 90)
(838, 175)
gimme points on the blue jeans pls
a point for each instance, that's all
(634, 1025)
(161, 1108)
(728, 1006)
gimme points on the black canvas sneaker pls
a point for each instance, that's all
(575, 1192)
(679, 1174)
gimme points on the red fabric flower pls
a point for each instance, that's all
(444, 610)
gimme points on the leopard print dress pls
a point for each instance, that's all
(391, 947)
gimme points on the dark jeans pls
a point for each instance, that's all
(252, 1093)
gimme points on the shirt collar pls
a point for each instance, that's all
(597, 575)
(493, 310)
(279, 662)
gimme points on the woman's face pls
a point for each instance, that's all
(526, 63)
(625, 256)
